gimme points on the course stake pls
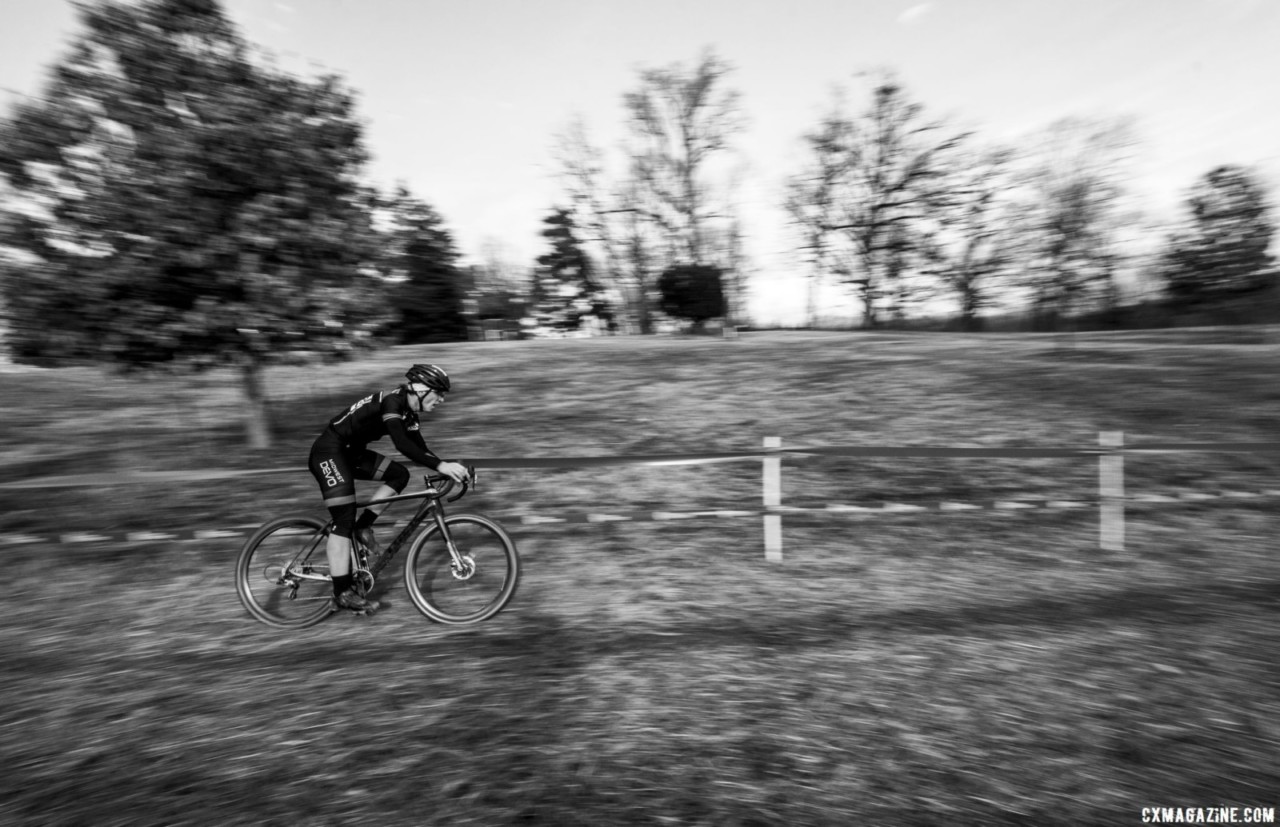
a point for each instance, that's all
(1111, 491)
(772, 499)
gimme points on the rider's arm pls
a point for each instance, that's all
(410, 444)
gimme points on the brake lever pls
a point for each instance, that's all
(466, 485)
(438, 483)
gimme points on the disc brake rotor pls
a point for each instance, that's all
(466, 571)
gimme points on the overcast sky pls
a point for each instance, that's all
(462, 100)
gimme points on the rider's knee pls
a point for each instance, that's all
(397, 477)
(344, 519)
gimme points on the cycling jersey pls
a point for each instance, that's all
(385, 413)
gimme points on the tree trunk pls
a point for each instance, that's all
(969, 307)
(644, 311)
(812, 310)
(257, 426)
(869, 320)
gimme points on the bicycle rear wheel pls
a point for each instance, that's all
(477, 590)
(282, 574)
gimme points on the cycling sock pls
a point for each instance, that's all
(366, 519)
(342, 582)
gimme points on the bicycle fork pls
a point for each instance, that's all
(462, 566)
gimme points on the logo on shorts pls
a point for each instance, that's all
(331, 473)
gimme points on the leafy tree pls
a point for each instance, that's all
(429, 291)
(565, 287)
(1223, 248)
(694, 292)
(186, 206)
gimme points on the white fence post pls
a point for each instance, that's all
(772, 498)
(1111, 491)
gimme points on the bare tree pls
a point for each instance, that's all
(608, 216)
(1070, 212)
(970, 242)
(876, 178)
(811, 202)
(680, 119)
(737, 267)
(639, 242)
(582, 171)
(658, 212)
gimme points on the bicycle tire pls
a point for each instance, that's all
(260, 570)
(440, 594)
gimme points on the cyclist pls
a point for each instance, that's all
(340, 456)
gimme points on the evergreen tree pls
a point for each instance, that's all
(428, 297)
(565, 287)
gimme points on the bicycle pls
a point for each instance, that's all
(463, 568)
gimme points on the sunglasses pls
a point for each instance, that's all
(422, 397)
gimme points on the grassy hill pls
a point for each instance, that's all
(974, 668)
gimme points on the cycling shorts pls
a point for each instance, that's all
(336, 468)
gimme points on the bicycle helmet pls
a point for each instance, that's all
(432, 376)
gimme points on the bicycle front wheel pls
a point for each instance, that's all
(282, 574)
(471, 587)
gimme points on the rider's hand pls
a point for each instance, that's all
(454, 470)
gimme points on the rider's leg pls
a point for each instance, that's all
(338, 547)
(371, 512)
(338, 550)
(345, 595)
(334, 469)
(394, 477)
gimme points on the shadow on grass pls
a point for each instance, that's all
(1190, 605)
(545, 644)
(795, 627)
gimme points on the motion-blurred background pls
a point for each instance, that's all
(644, 229)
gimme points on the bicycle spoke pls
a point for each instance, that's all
(282, 574)
(468, 588)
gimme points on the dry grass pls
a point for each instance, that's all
(972, 669)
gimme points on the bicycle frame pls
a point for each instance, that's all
(293, 551)
(430, 507)
(433, 505)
